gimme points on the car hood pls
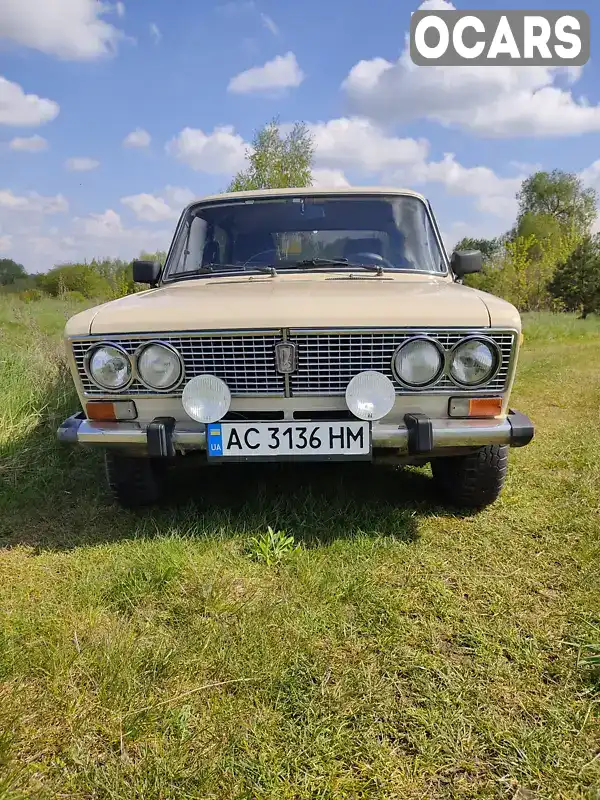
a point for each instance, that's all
(303, 301)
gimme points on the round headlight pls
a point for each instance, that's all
(109, 366)
(370, 395)
(159, 366)
(473, 362)
(206, 398)
(419, 362)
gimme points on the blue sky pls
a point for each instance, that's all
(113, 115)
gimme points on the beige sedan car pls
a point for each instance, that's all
(301, 324)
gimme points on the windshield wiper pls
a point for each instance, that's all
(211, 269)
(377, 268)
(270, 269)
(266, 270)
(337, 262)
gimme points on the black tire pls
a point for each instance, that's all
(134, 482)
(474, 480)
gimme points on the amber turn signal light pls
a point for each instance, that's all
(475, 406)
(105, 411)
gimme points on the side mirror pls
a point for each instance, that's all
(146, 271)
(466, 262)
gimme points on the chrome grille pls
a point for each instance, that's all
(327, 360)
(246, 362)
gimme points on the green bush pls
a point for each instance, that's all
(31, 295)
(81, 278)
(75, 297)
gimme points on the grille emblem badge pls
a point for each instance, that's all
(285, 357)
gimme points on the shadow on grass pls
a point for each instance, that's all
(54, 496)
(316, 502)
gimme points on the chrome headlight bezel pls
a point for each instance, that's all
(115, 346)
(496, 356)
(166, 346)
(440, 373)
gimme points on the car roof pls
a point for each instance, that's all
(307, 190)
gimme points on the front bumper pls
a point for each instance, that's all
(419, 436)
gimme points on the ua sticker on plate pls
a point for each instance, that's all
(215, 439)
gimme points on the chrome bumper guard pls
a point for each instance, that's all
(419, 435)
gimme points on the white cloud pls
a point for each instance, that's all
(456, 231)
(221, 152)
(39, 247)
(81, 164)
(107, 224)
(269, 24)
(69, 29)
(283, 72)
(545, 112)
(178, 196)
(105, 233)
(436, 5)
(155, 33)
(526, 166)
(492, 101)
(149, 207)
(120, 9)
(591, 175)
(357, 143)
(477, 227)
(38, 242)
(26, 110)
(494, 194)
(137, 138)
(23, 218)
(28, 144)
(158, 208)
(364, 149)
(329, 178)
(32, 202)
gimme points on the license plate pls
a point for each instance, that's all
(289, 440)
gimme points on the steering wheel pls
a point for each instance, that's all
(372, 257)
(262, 253)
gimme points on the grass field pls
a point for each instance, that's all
(402, 651)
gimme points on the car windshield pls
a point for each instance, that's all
(393, 232)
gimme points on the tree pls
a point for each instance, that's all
(157, 255)
(10, 271)
(559, 195)
(117, 272)
(488, 247)
(277, 161)
(576, 282)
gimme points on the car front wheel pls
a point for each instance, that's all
(134, 482)
(474, 480)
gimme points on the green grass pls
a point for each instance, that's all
(400, 651)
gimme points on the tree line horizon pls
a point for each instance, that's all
(548, 260)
